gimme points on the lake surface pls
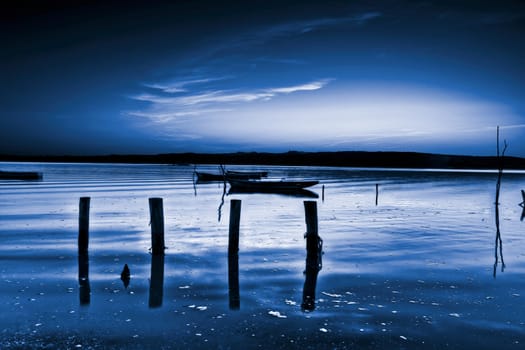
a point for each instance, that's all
(417, 270)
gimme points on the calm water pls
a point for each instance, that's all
(417, 270)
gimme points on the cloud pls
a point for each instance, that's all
(181, 85)
(305, 87)
(166, 109)
(299, 27)
(287, 29)
(221, 96)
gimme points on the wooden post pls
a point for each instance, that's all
(157, 225)
(235, 219)
(322, 196)
(377, 192)
(233, 254)
(310, 212)
(83, 225)
(313, 255)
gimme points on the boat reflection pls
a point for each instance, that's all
(156, 285)
(83, 279)
(300, 193)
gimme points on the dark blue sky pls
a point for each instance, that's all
(101, 77)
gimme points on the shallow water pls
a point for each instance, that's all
(416, 270)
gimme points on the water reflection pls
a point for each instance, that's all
(300, 193)
(219, 210)
(522, 204)
(498, 246)
(233, 254)
(156, 285)
(233, 281)
(125, 276)
(314, 253)
(314, 264)
(83, 279)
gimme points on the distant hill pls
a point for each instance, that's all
(337, 159)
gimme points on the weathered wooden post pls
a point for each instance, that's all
(233, 254)
(157, 226)
(83, 225)
(310, 212)
(377, 192)
(314, 245)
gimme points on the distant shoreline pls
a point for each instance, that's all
(363, 159)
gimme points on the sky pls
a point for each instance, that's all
(145, 77)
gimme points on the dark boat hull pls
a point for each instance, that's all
(209, 177)
(20, 175)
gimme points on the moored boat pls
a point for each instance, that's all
(20, 175)
(208, 177)
(246, 174)
(240, 175)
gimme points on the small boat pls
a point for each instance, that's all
(20, 175)
(208, 177)
(246, 174)
(240, 175)
(270, 185)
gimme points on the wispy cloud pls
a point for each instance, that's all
(315, 85)
(181, 85)
(291, 28)
(298, 27)
(164, 109)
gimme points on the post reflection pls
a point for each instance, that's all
(233, 281)
(498, 245)
(233, 254)
(314, 253)
(83, 279)
(314, 264)
(156, 286)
